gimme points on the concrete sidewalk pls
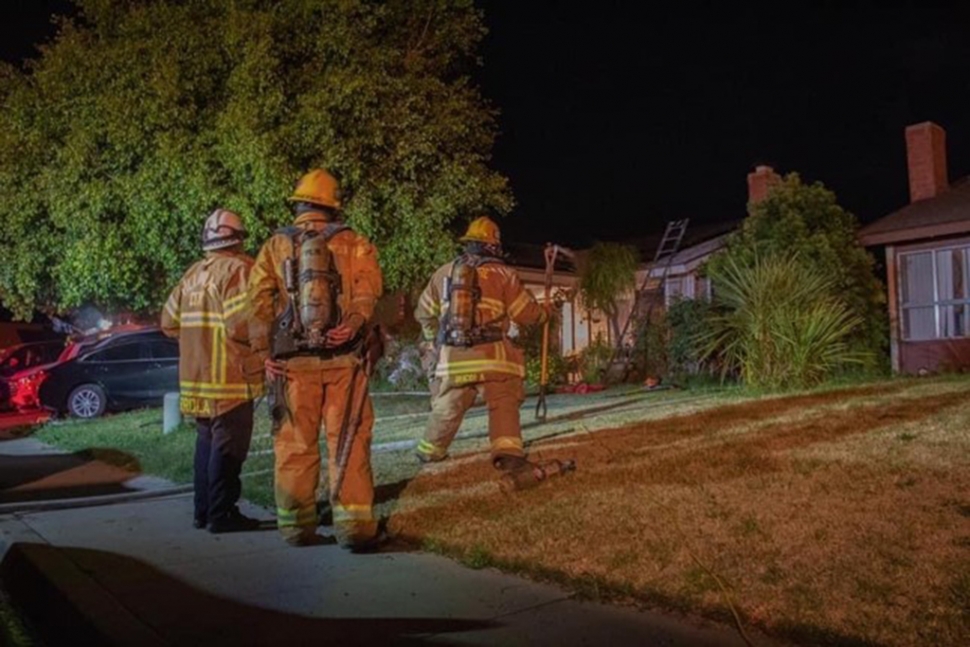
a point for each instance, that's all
(137, 573)
(34, 475)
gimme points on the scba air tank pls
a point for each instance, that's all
(318, 310)
(462, 301)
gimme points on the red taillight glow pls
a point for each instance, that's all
(26, 390)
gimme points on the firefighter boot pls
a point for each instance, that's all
(508, 463)
(235, 521)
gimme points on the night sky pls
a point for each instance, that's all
(616, 119)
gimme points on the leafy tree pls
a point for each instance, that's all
(805, 222)
(143, 115)
(607, 272)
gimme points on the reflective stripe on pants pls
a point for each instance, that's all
(448, 408)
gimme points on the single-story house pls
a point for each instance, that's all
(927, 250)
(683, 279)
(679, 276)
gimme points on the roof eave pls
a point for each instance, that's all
(913, 234)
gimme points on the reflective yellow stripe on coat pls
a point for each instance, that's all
(209, 313)
(503, 300)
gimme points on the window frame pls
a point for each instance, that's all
(92, 358)
(937, 303)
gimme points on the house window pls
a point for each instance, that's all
(568, 336)
(702, 289)
(675, 289)
(933, 295)
(582, 327)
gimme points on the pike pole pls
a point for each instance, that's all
(551, 252)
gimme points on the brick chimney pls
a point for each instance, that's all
(759, 181)
(926, 161)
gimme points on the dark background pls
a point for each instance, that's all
(616, 118)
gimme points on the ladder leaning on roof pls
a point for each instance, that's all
(668, 248)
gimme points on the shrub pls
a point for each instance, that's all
(805, 221)
(530, 340)
(557, 369)
(777, 325)
(594, 359)
(687, 319)
(650, 346)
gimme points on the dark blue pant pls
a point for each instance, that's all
(221, 446)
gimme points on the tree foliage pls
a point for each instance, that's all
(607, 272)
(806, 223)
(143, 115)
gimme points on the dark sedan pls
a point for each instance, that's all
(125, 371)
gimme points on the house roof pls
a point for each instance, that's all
(696, 236)
(694, 253)
(944, 215)
(699, 242)
(533, 256)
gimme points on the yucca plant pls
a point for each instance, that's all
(778, 323)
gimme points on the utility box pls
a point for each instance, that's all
(171, 413)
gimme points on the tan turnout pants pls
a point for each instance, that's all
(449, 403)
(315, 395)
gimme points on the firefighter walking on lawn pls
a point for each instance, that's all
(314, 288)
(465, 312)
(219, 375)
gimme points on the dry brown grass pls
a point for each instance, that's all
(832, 517)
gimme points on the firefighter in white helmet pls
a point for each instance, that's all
(219, 374)
(465, 312)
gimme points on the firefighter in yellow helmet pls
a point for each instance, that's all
(219, 374)
(314, 288)
(465, 313)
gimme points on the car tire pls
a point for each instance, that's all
(87, 401)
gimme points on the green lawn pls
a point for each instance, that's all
(138, 434)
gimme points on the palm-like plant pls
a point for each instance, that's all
(778, 324)
(607, 272)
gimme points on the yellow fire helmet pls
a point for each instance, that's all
(482, 230)
(317, 187)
